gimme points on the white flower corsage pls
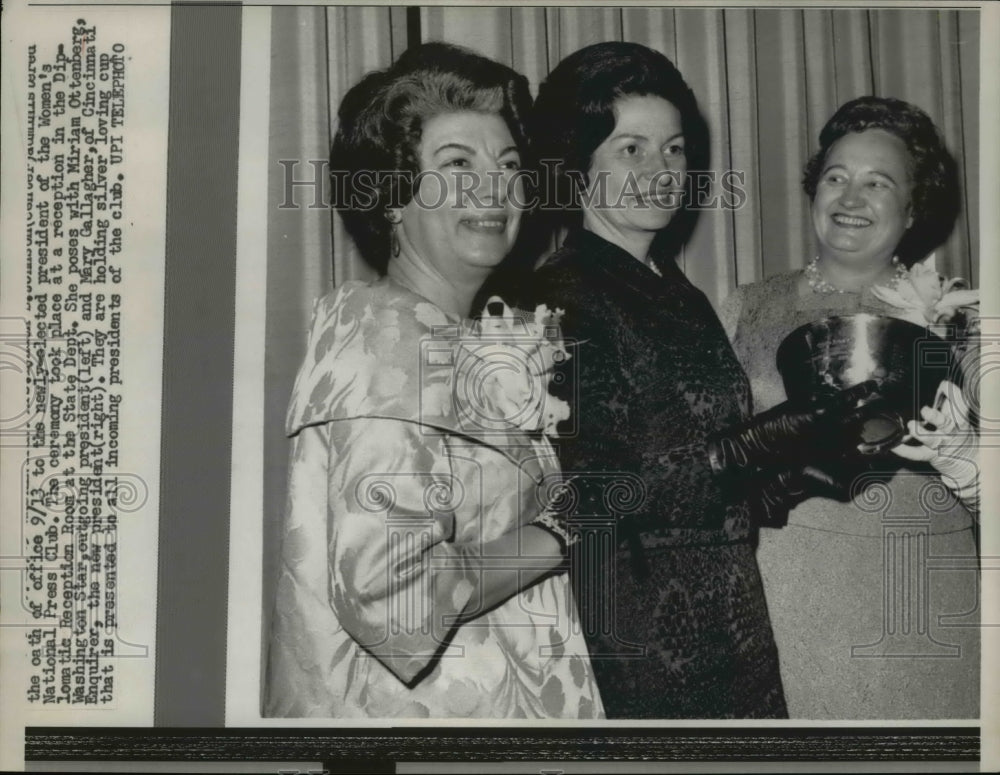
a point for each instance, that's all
(925, 297)
(506, 365)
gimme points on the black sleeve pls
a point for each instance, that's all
(625, 460)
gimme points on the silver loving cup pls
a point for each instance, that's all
(907, 361)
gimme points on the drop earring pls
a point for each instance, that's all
(394, 217)
(395, 242)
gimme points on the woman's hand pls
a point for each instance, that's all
(947, 440)
(507, 565)
(778, 492)
(518, 558)
(786, 433)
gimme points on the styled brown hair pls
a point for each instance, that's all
(375, 151)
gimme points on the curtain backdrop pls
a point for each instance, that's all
(766, 81)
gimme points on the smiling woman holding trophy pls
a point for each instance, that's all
(859, 610)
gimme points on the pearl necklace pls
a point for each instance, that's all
(820, 284)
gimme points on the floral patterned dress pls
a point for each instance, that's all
(874, 602)
(391, 488)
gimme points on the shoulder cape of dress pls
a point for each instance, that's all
(380, 350)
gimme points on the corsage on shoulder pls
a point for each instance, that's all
(948, 308)
(506, 362)
(927, 298)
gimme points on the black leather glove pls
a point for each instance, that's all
(777, 493)
(774, 496)
(788, 433)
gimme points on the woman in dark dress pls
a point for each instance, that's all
(662, 446)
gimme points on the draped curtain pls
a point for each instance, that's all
(766, 80)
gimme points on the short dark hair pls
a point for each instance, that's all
(936, 198)
(574, 114)
(381, 120)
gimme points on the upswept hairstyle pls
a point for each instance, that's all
(574, 114)
(374, 158)
(936, 199)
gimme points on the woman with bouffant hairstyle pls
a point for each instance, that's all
(374, 158)
(575, 113)
(935, 200)
(663, 447)
(883, 194)
(421, 549)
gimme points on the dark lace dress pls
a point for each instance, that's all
(670, 597)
